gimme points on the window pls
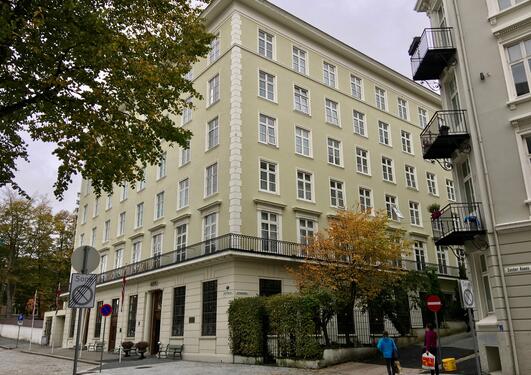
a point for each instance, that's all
(184, 195)
(303, 141)
(519, 56)
(504, 4)
(407, 145)
(336, 194)
(528, 144)
(356, 87)
(210, 232)
(450, 190)
(139, 215)
(301, 99)
(461, 259)
(329, 74)
(123, 195)
(185, 155)
(359, 123)
(307, 229)
(365, 199)
(82, 239)
(93, 237)
(268, 176)
(442, 260)
(181, 234)
(269, 287)
(103, 263)
(137, 251)
(142, 182)
(304, 185)
(432, 183)
(106, 230)
(384, 137)
(84, 214)
(214, 53)
(211, 180)
(420, 255)
(212, 133)
(161, 168)
(72, 323)
(213, 90)
(265, 44)
(387, 169)
(453, 94)
(210, 307)
(414, 213)
(380, 98)
(402, 109)
(156, 244)
(177, 327)
(331, 112)
(362, 161)
(159, 205)
(131, 315)
(334, 151)
(96, 207)
(108, 202)
(118, 258)
(186, 116)
(423, 117)
(269, 231)
(391, 207)
(486, 283)
(97, 325)
(121, 224)
(299, 60)
(468, 183)
(267, 130)
(411, 177)
(266, 85)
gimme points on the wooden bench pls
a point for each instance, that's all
(173, 349)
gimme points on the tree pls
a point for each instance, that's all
(102, 79)
(356, 259)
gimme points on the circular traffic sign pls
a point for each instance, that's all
(85, 259)
(468, 297)
(106, 310)
(433, 302)
(82, 295)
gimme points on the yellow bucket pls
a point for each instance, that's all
(449, 364)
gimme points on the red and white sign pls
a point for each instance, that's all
(433, 303)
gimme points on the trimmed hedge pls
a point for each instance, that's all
(248, 327)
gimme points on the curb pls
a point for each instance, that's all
(61, 357)
(7, 347)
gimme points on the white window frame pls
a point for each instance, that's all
(356, 87)
(415, 214)
(161, 167)
(186, 156)
(271, 177)
(108, 202)
(304, 100)
(267, 130)
(301, 151)
(215, 52)
(186, 115)
(363, 159)
(136, 251)
(298, 55)
(213, 89)
(158, 212)
(380, 98)
(96, 210)
(359, 124)
(388, 169)
(524, 59)
(306, 231)
(267, 83)
(142, 182)
(210, 232)
(419, 251)
(120, 230)
(180, 241)
(268, 45)
(106, 230)
(423, 117)
(407, 142)
(442, 260)
(157, 243)
(403, 110)
(337, 193)
(118, 257)
(93, 237)
(183, 194)
(384, 134)
(431, 183)
(211, 180)
(329, 74)
(450, 190)
(139, 215)
(366, 201)
(485, 281)
(84, 214)
(410, 173)
(103, 263)
(212, 134)
(332, 114)
(336, 152)
(511, 4)
(307, 185)
(391, 207)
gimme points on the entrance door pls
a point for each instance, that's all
(85, 332)
(114, 324)
(155, 320)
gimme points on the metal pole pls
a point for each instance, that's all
(18, 335)
(476, 349)
(79, 312)
(33, 318)
(103, 342)
(439, 359)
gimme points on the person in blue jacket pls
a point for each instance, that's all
(388, 348)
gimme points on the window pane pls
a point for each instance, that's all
(504, 4)
(520, 80)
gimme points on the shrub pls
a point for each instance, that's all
(248, 327)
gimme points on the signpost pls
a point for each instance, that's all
(105, 311)
(434, 304)
(468, 302)
(20, 322)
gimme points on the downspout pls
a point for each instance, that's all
(489, 193)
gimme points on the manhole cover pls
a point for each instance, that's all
(141, 367)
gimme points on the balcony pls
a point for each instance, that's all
(443, 270)
(457, 223)
(431, 53)
(446, 132)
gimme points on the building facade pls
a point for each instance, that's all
(294, 126)
(480, 52)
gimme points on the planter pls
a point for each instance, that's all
(248, 360)
(435, 215)
(443, 130)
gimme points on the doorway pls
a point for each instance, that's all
(155, 320)
(114, 325)
(85, 330)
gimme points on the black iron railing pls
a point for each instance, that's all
(442, 269)
(444, 124)
(431, 40)
(457, 222)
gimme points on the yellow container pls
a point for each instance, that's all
(449, 364)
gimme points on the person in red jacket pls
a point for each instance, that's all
(430, 345)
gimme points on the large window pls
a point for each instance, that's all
(391, 207)
(420, 255)
(486, 284)
(159, 205)
(380, 97)
(121, 224)
(181, 234)
(265, 44)
(307, 229)
(402, 109)
(301, 99)
(304, 185)
(431, 180)
(334, 151)
(212, 133)
(359, 123)
(407, 145)
(411, 177)
(414, 213)
(365, 199)
(268, 176)
(267, 130)
(131, 315)
(106, 230)
(336, 194)
(388, 169)
(362, 161)
(84, 214)
(179, 297)
(356, 87)
(214, 53)
(331, 112)
(269, 287)
(184, 193)
(137, 251)
(118, 258)
(156, 244)
(303, 141)
(211, 180)
(210, 306)
(71, 329)
(269, 230)
(213, 90)
(423, 117)
(186, 116)
(139, 217)
(299, 60)
(442, 260)
(468, 183)
(185, 155)
(450, 190)
(97, 325)
(161, 170)
(519, 56)
(103, 263)
(210, 231)
(266, 85)
(329, 74)
(384, 136)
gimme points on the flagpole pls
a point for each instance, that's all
(54, 318)
(33, 318)
(122, 318)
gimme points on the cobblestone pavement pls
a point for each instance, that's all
(13, 362)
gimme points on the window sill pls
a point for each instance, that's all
(390, 145)
(361, 135)
(213, 103)
(141, 190)
(412, 188)
(185, 164)
(302, 113)
(305, 201)
(389, 182)
(207, 337)
(364, 174)
(160, 178)
(333, 124)
(268, 100)
(211, 195)
(408, 153)
(269, 192)
(304, 156)
(270, 145)
(514, 102)
(336, 165)
(211, 148)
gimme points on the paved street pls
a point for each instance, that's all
(14, 362)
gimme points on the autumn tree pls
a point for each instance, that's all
(356, 259)
(103, 80)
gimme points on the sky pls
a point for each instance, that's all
(381, 29)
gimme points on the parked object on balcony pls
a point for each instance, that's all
(457, 223)
(443, 130)
(141, 348)
(435, 210)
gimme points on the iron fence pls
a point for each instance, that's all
(431, 39)
(458, 219)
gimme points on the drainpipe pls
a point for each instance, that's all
(490, 207)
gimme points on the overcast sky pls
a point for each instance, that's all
(382, 29)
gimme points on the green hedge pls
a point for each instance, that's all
(248, 327)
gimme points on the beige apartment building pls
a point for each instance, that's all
(294, 126)
(480, 51)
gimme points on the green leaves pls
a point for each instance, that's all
(101, 79)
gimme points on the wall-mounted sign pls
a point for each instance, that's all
(518, 268)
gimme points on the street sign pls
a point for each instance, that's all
(106, 310)
(85, 259)
(468, 301)
(20, 317)
(433, 302)
(82, 291)
(20, 322)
